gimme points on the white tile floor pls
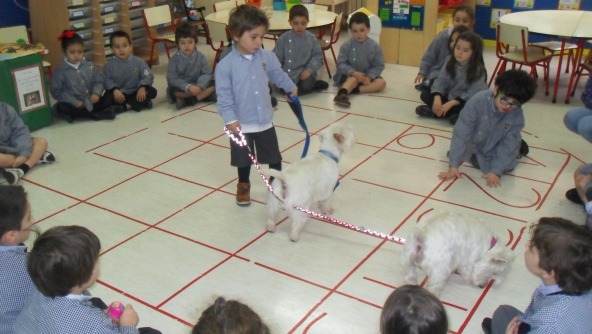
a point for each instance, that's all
(157, 188)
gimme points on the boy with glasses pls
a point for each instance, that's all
(487, 133)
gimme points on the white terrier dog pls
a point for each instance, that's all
(309, 181)
(447, 242)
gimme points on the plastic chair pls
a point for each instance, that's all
(328, 44)
(512, 47)
(218, 35)
(554, 47)
(584, 68)
(20, 35)
(157, 17)
(224, 5)
(195, 16)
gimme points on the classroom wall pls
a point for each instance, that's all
(483, 14)
(14, 13)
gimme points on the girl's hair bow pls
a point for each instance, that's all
(66, 34)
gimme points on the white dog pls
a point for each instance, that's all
(309, 181)
(447, 242)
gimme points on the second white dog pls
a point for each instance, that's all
(447, 242)
(309, 181)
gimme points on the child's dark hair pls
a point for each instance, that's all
(565, 249)
(411, 309)
(516, 84)
(62, 259)
(456, 31)
(359, 18)
(464, 8)
(70, 37)
(476, 65)
(298, 11)
(13, 204)
(229, 316)
(245, 18)
(185, 30)
(120, 33)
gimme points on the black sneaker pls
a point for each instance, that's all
(47, 158)
(342, 100)
(425, 111)
(573, 196)
(486, 325)
(320, 85)
(274, 102)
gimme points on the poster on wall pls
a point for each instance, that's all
(524, 4)
(29, 87)
(569, 4)
(402, 14)
(484, 3)
(496, 13)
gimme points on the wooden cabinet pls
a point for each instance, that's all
(406, 47)
(94, 21)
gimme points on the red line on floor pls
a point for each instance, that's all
(475, 307)
(114, 140)
(553, 182)
(292, 276)
(314, 321)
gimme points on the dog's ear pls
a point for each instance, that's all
(339, 138)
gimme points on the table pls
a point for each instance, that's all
(565, 24)
(278, 22)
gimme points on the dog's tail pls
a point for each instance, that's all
(272, 172)
(413, 250)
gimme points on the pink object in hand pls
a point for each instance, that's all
(115, 310)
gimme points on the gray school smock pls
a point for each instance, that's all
(457, 87)
(72, 85)
(15, 137)
(183, 71)
(298, 53)
(492, 136)
(434, 59)
(365, 57)
(128, 75)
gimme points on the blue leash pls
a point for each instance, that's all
(297, 110)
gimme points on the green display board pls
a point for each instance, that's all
(22, 82)
(401, 14)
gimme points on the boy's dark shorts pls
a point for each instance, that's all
(343, 78)
(264, 144)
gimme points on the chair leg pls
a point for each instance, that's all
(333, 52)
(494, 72)
(166, 48)
(151, 54)
(326, 64)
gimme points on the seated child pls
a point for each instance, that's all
(463, 76)
(77, 84)
(487, 133)
(560, 253)
(411, 309)
(435, 56)
(189, 75)
(582, 193)
(243, 102)
(360, 62)
(15, 225)
(19, 152)
(128, 79)
(64, 263)
(300, 53)
(229, 316)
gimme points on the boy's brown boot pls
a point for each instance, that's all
(243, 193)
(342, 100)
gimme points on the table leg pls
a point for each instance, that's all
(575, 67)
(557, 77)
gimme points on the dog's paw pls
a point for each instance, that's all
(294, 236)
(271, 226)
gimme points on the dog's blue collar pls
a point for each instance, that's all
(329, 155)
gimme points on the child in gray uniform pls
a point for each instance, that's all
(128, 79)
(300, 53)
(435, 56)
(77, 84)
(360, 62)
(189, 75)
(487, 133)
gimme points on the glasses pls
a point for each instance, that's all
(507, 103)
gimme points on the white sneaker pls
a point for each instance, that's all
(13, 175)
(47, 158)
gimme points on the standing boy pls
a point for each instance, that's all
(360, 62)
(128, 78)
(189, 75)
(487, 133)
(15, 227)
(242, 85)
(19, 152)
(63, 264)
(560, 253)
(300, 53)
